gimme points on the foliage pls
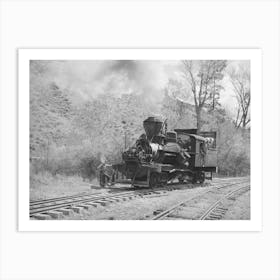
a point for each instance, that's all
(73, 139)
(233, 150)
(69, 137)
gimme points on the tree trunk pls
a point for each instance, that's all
(198, 120)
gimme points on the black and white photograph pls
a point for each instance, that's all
(140, 139)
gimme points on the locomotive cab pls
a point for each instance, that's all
(203, 160)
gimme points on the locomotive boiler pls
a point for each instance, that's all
(159, 156)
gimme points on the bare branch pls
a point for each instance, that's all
(240, 81)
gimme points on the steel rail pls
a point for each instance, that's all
(50, 200)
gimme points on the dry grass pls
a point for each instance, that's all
(44, 185)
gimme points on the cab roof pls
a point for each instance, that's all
(197, 137)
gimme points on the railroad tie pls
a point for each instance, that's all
(218, 210)
(111, 200)
(156, 212)
(102, 202)
(77, 209)
(85, 206)
(65, 211)
(174, 216)
(41, 216)
(213, 216)
(93, 204)
(121, 198)
(55, 214)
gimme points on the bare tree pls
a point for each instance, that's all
(240, 80)
(204, 77)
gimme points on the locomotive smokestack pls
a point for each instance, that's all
(152, 126)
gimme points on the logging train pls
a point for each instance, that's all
(160, 156)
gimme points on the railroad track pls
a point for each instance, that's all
(216, 210)
(57, 208)
(65, 206)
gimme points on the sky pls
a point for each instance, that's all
(87, 79)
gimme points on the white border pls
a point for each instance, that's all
(25, 55)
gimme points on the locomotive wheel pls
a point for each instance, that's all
(201, 177)
(194, 178)
(198, 178)
(181, 180)
(154, 179)
(201, 181)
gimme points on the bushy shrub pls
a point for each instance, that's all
(71, 160)
(233, 150)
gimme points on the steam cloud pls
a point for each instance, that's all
(87, 79)
(90, 78)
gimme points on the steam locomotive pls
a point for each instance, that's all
(160, 156)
